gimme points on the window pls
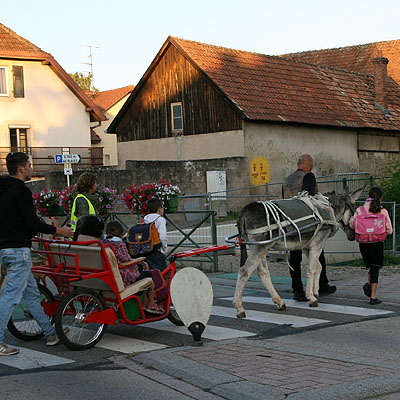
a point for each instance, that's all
(19, 139)
(176, 117)
(18, 77)
(3, 81)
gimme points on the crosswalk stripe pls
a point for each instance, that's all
(29, 359)
(260, 316)
(334, 308)
(127, 345)
(210, 332)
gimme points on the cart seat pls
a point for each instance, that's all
(90, 259)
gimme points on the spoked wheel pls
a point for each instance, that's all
(70, 326)
(21, 324)
(173, 316)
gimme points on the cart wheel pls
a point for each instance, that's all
(173, 316)
(21, 324)
(72, 310)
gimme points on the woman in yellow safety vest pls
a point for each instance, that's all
(84, 202)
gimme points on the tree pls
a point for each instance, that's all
(390, 184)
(85, 82)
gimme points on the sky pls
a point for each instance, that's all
(127, 34)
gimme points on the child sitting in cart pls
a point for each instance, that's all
(91, 227)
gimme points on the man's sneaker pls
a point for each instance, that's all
(367, 289)
(7, 351)
(327, 290)
(52, 340)
(300, 296)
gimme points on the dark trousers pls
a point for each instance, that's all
(372, 254)
(295, 259)
(156, 260)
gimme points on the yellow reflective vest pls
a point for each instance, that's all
(74, 218)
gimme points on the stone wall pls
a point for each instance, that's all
(190, 176)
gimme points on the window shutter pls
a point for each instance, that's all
(18, 74)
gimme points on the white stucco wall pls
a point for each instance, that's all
(333, 150)
(109, 140)
(191, 147)
(54, 114)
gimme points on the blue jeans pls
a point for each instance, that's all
(20, 283)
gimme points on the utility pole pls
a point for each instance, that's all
(90, 56)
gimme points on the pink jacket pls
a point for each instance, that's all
(389, 228)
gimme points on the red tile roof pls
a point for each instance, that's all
(108, 98)
(10, 41)
(15, 47)
(356, 58)
(94, 137)
(271, 88)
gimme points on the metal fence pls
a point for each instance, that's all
(207, 219)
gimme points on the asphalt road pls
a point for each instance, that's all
(341, 322)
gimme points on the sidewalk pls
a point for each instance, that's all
(350, 361)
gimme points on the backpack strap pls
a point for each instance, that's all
(363, 210)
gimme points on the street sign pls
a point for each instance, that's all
(67, 158)
(71, 158)
(67, 171)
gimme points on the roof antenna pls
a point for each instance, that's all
(90, 56)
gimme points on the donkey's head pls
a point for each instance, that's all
(343, 206)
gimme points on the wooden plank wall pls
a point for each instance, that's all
(174, 79)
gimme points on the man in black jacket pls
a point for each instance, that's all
(304, 179)
(19, 223)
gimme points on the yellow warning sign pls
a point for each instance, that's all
(259, 170)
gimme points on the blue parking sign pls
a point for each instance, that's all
(58, 158)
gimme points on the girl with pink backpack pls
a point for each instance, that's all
(372, 223)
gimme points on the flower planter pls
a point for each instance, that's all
(171, 205)
(57, 212)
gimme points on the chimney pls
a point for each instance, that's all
(380, 64)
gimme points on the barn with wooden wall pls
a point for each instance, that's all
(198, 101)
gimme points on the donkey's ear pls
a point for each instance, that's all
(356, 194)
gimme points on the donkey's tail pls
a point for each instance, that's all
(242, 237)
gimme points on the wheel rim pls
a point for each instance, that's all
(23, 320)
(75, 329)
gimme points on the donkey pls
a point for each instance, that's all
(274, 225)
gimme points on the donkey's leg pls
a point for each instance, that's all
(265, 277)
(313, 273)
(244, 273)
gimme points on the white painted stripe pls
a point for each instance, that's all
(28, 359)
(210, 332)
(259, 316)
(365, 312)
(127, 345)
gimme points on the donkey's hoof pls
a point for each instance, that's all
(282, 307)
(242, 314)
(314, 303)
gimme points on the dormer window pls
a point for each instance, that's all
(3, 81)
(176, 117)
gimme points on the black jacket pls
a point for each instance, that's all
(18, 219)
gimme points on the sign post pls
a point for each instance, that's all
(67, 160)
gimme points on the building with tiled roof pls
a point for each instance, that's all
(110, 102)
(203, 102)
(355, 58)
(42, 110)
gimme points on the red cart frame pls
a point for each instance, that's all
(89, 295)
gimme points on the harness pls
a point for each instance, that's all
(280, 219)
